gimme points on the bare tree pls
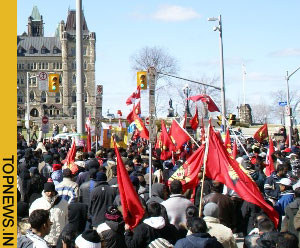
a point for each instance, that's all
(261, 112)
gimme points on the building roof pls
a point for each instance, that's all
(38, 43)
(35, 14)
(71, 21)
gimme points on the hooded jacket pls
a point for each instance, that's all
(198, 240)
(150, 229)
(112, 234)
(58, 208)
(157, 193)
(290, 213)
(285, 198)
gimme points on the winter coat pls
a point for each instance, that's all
(222, 233)
(101, 197)
(249, 212)
(31, 240)
(290, 212)
(271, 186)
(176, 206)
(58, 214)
(82, 177)
(149, 230)
(68, 190)
(57, 176)
(297, 224)
(198, 240)
(46, 170)
(85, 190)
(157, 193)
(285, 198)
(112, 234)
(77, 217)
(226, 207)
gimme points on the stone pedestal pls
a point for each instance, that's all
(171, 112)
(245, 114)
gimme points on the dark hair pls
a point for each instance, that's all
(191, 211)
(114, 170)
(154, 209)
(217, 187)
(37, 218)
(197, 225)
(281, 167)
(176, 187)
(287, 240)
(265, 225)
(263, 215)
(68, 237)
(297, 192)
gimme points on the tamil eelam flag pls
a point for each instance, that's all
(135, 95)
(211, 106)
(195, 120)
(262, 133)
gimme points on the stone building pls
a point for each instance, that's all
(36, 53)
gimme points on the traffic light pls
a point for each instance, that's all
(219, 120)
(53, 82)
(142, 79)
(232, 119)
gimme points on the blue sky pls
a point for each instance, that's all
(264, 35)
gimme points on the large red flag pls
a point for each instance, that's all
(195, 120)
(70, 159)
(234, 150)
(188, 172)
(221, 167)
(227, 141)
(134, 95)
(143, 131)
(133, 210)
(135, 110)
(212, 107)
(202, 130)
(177, 135)
(270, 163)
(261, 133)
(166, 144)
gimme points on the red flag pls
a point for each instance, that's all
(270, 163)
(70, 159)
(234, 150)
(133, 210)
(188, 172)
(119, 113)
(261, 133)
(134, 95)
(183, 121)
(195, 120)
(227, 141)
(177, 135)
(143, 131)
(287, 140)
(167, 145)
(88, 141)
(212, 107)
(221, 167)
(136, 110)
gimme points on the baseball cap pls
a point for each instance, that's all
(285, 181)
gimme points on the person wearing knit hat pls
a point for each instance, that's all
(222, 233)
(57, 174)
(88, 239)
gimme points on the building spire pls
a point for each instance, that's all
(35, 14)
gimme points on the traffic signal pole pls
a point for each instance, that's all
(79, 70)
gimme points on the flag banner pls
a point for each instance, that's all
(234, 150)
(132, 208)
(135, 111)
(165, 143)
(195, 120)
(188, 172)
(178, 136)
(144, 133)
(269, 160)
(135, 95)
(221, 167)
(212, 107)
(227, 141)
(262, 133)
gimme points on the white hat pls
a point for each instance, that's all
(285, 181)
(88, 239)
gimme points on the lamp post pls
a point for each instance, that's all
(289, 114)
(187, 90)
(219, 27)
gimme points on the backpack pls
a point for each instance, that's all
(160, 243)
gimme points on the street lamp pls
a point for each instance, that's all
(289, 114)
(187, 90)
(219, 28)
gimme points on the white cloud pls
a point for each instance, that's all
(173, 13)
(286, 52)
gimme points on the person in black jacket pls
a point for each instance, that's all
(112, 230)
(102, 196)
(151, 228)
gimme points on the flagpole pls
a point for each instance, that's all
(187, 133)
(236, 138)
(204, 169)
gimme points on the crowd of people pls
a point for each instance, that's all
(80, 206)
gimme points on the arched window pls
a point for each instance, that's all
(43, 97)
(73, 96)
(57, 97)
(34, 112)
(31, 96)
(74, 79)
(85, 96)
